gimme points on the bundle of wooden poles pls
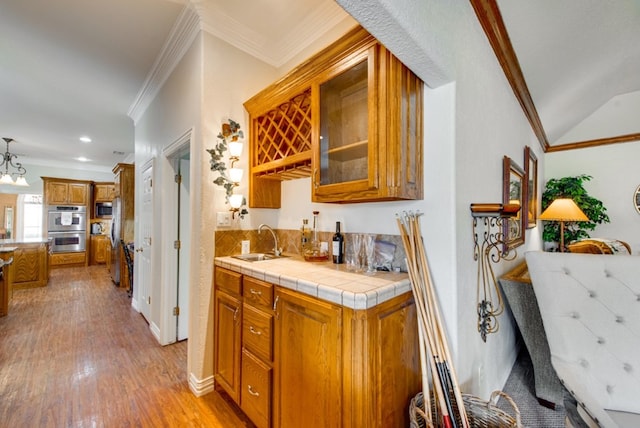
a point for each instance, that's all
(443, 402)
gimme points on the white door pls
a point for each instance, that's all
(183, 254)
(143, 252)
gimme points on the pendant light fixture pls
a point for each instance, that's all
(7, 161)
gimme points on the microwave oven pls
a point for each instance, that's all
(104, 210)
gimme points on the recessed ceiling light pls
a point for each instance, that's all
(83, 159)
(85, 139)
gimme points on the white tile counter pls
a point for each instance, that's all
(324, 280)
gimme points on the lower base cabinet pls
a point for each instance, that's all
(331, 366)
(308, 356)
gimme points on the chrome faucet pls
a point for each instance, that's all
(276, 251)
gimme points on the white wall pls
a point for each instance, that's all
(616, 176)
(470, 123)
(175, 110)
(463, 161)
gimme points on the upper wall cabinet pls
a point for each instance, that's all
(63, 191)
(103, 192)
(350, 117)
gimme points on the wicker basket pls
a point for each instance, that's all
(481, 414)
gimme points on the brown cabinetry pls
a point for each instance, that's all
(123, 220)
(228, 331)
(30, 267)
(350, 117)
(103, 192)
(303, 361)
(257, 351)
(68, 192)
(100, 249)
(308, 372)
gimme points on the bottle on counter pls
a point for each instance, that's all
(338, 245)
(305, 237)
(316, 252)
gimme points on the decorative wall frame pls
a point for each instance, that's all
(513, 192)
(636, 199)
(531, 199)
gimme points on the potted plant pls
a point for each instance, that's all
(572, 187)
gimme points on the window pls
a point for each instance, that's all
(32, 216)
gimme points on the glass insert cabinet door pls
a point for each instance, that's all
(344, 127)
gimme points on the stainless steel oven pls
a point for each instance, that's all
(66, 218)
(68, 241)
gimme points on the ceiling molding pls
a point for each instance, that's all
(182, 34)
(297, 38)
(629, 138)
(490, 18)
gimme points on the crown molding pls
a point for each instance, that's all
(184, 31)
(278, 52)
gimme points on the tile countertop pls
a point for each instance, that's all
(324, 280)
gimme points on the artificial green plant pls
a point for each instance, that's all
(572, 187)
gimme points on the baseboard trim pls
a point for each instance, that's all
(155, 330)
(201, 387)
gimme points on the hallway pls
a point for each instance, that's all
(75, 353)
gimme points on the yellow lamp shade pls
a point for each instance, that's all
(563, 209)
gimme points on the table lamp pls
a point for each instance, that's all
(563, 209)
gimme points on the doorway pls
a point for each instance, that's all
(184, 239)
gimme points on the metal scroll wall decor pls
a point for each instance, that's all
(488, 249)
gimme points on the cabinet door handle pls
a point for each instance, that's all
(235, 314)
(252, 392)
(254, 331)
(275, 303)
(255, 293)
(315, 178)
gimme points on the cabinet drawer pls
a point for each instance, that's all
(258, 293)
(257, 328)
(228, 280)
(58, 259)
(255, 399)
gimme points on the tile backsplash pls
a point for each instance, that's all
(229, 242)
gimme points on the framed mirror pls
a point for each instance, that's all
(636, 199)
(513, 188)
(531, 194)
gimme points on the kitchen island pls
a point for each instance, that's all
(30, 267)
(313, 344)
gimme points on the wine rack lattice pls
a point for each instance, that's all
(283, 139)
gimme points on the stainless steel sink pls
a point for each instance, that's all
(256, 257)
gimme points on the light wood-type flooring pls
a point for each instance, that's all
(76, 354)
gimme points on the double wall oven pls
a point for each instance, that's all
(66, 226)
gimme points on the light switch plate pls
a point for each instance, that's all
(223, 218)
(246, 247)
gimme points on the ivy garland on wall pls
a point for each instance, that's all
(230, 132)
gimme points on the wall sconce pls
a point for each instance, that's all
(236, 202)
(487, 220)
(230, 138)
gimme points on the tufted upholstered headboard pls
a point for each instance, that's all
(590, 308)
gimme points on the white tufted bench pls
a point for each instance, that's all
(590, 308)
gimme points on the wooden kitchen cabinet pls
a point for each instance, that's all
(350, 118)
(30, 267)
(257, 351)
(227, 331)
(303, 361)
(100, 249)
(104, 192)
(65, 192)
(308, 356)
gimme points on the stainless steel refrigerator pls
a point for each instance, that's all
(116, 236)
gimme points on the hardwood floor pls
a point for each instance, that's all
(75, 353)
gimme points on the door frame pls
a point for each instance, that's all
(167, 331)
